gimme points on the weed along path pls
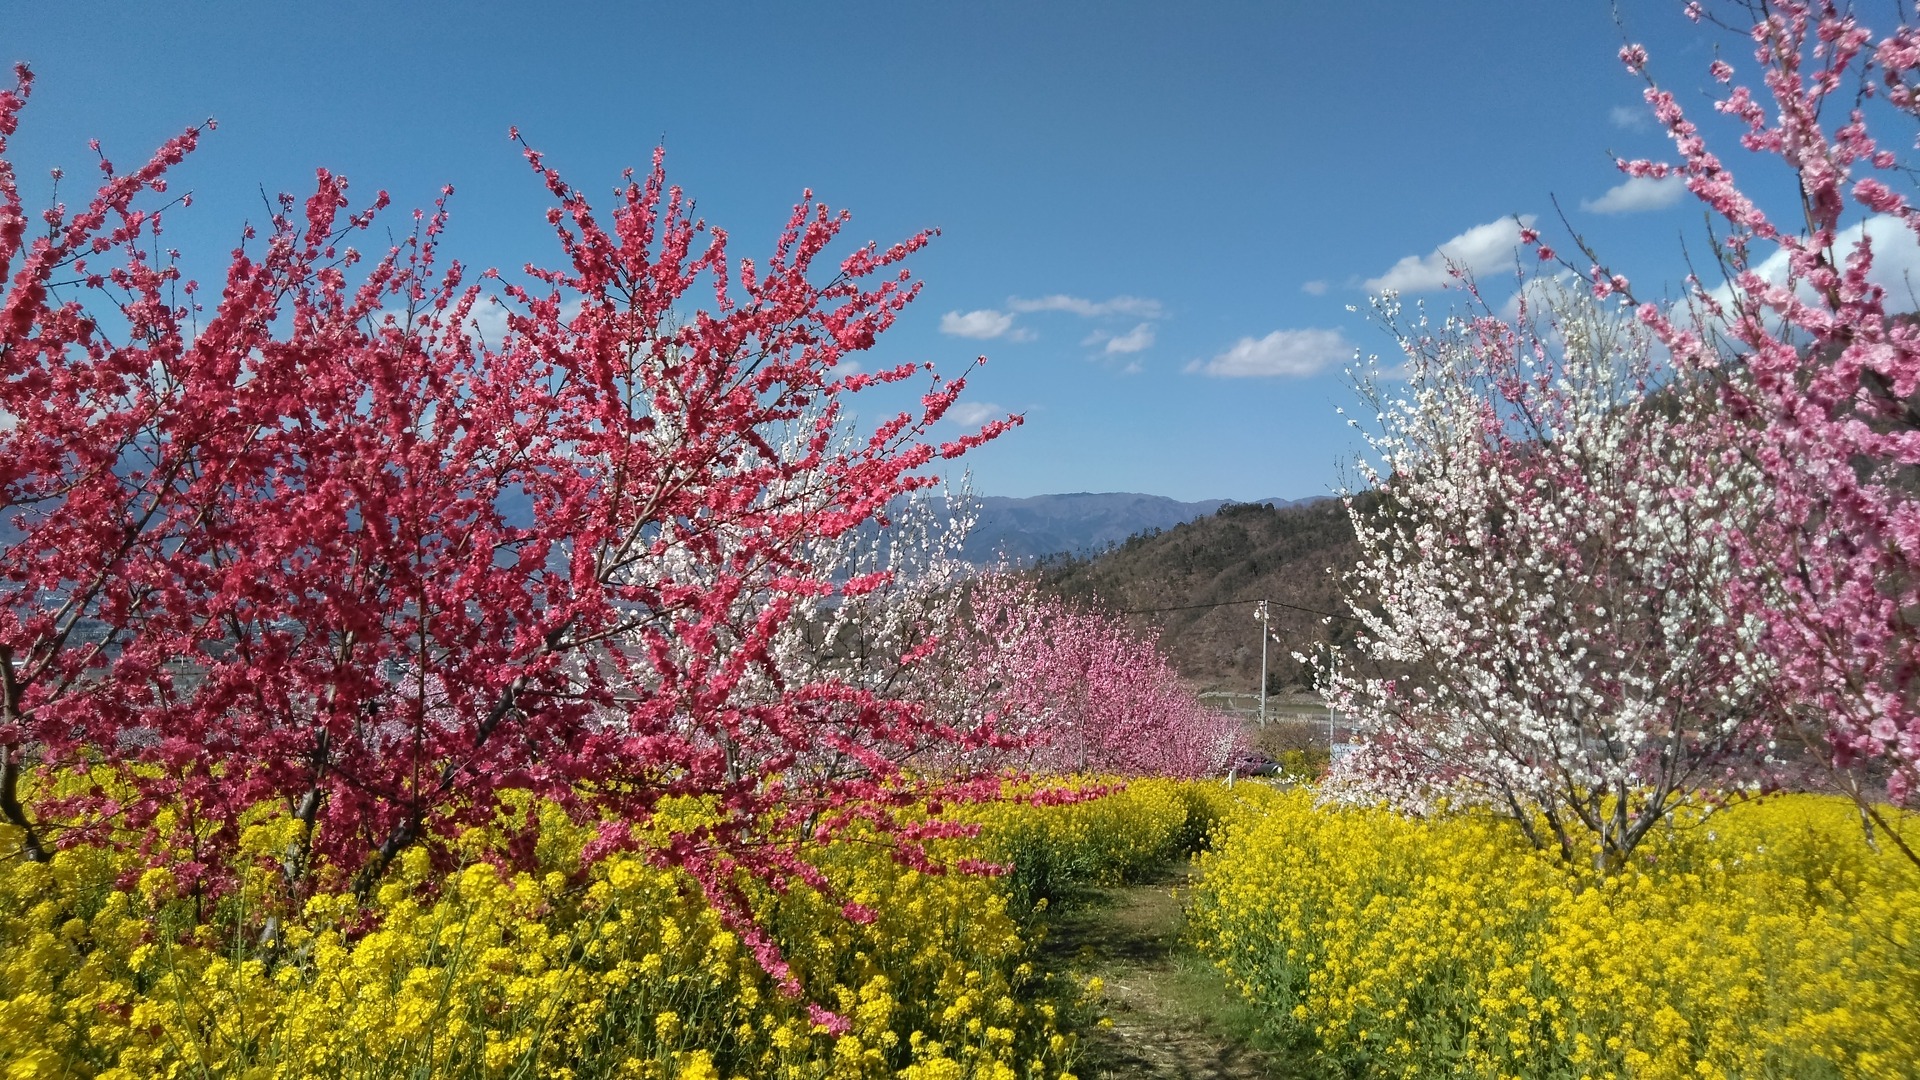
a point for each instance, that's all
(1172, 1017)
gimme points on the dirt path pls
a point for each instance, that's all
(1172, 1017)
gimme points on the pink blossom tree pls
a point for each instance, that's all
(319, 542)
(1825, 398)
(110, 459)
(1548, 573)
(1072, 689)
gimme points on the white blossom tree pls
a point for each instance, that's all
(1548, 573)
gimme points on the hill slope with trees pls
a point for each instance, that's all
(1078, 523)
(1198, 582)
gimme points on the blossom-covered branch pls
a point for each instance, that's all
(1827, 402)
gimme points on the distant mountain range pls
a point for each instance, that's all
(1019, 531)
(1078, 523)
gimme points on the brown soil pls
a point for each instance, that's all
(1164, 1004)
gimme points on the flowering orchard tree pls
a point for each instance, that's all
(1828, 402)
(319, 542)
(904, 587)
(1070, 689)
(887, 627)
(111, 460)
(1549, 565)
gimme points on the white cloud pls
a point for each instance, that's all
(1538, 292)
(1134, 340)
(1896, 263)
(1637, 194)
(1138, 306)
(1314, 288)
(1628, 118)
(983, 324)
(1896, 258)
(1476, 251)
(1283, 352)
(489, 319)
(972, 414)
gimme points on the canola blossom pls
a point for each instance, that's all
(1767, 939)
(1763, 939)
(1103, 841)
(616, 968)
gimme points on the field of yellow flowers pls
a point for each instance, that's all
(615, 970)
(1766, 940)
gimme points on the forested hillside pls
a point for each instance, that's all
(1198, 583)
(1080, 523)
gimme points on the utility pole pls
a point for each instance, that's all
(1260, 616)
(1331, 714)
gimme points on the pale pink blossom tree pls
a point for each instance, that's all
(1814, 323)
(1074, 689)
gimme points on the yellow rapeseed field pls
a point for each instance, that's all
(1765, 940)
(619, 970)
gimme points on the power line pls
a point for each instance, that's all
(1234, 603)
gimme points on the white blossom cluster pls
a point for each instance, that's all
(880, 636)
(1545, 580)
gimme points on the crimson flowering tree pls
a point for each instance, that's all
(1826, 394)
(321, 543)
(1548, 574)
(1071, 689)
(108, 459)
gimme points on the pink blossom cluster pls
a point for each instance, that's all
(1820, 355)
(317, 540)
(1074, 689)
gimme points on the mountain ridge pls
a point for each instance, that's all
(1020, 530)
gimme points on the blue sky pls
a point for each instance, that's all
(1153, 216)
